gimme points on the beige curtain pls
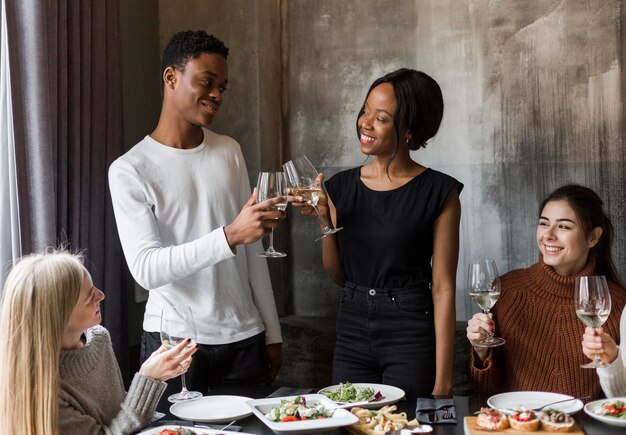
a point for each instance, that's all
(67, 119)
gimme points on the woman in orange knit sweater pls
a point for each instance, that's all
(535, 312)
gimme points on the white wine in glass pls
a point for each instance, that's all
(270, 185)
(483, 283)
(177, 325)
(593, 306)
(302, 176)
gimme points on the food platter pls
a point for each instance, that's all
(339, 418)
(592, 408)
(390, 394)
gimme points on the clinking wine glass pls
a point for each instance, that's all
(593, 306)
(177, 325)
(271, 185)
(483, 283)
(302, 176)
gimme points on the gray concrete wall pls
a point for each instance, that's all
(534, 95)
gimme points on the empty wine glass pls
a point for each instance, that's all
(593, 306)
(302, 179)
(177, 325)
(483, 283)
(271, 185)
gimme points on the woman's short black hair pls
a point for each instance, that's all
(419, 107)
(188, 45)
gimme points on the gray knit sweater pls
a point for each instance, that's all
(92, 399)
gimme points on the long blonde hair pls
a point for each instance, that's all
(39, 295)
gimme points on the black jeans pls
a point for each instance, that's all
(241, 363)
(386, 336)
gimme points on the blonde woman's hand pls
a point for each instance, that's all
(166, 364)
(477, 329)
(599, 343)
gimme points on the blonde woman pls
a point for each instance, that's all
(57, 368)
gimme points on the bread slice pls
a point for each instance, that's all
(491, 419)
(553, 420)
(524, 421)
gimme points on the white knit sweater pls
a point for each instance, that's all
(613, 377)
(92, 399)
(170, 207)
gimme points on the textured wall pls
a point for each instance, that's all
(534, 92)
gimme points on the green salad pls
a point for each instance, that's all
(297, 409)
(348, 393)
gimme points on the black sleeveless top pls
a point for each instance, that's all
(387, 236)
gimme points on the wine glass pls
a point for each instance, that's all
(177, 325)
(271, 185)
(593, 306)
(301, 176)
(483, 283)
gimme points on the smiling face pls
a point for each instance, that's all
(195, 92)
(86, 313)
(562, 240)
(377, 133)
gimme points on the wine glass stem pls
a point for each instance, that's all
(270, 248)
(597, 355)
(489, 337)
(321, 218)
(182, 379)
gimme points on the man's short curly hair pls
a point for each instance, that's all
(188, 45)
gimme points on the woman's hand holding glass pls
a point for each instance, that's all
(599, 344)
(479, 327)
(306, 184)
(592, 301)
(166, 364)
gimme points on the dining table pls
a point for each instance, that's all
(465, 406)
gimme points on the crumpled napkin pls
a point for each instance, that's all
(435, 411)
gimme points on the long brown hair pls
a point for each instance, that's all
(588, 208)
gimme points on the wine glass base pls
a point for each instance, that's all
(594, 365)
(275, 254)
(328, 232)
(184, 396)
(493, 342)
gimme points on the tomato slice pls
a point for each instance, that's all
(290, 418)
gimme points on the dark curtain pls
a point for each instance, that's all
(67, 94)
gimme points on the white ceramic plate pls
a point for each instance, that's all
(340, 417)
(200, 431)
(390, 394)
(592, 407)
(506, 402)
(212, 409)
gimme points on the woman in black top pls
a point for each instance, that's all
(396, 323)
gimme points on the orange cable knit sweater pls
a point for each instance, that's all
(535, 315)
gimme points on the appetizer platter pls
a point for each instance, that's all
(307, 413)
(609, 411)
(491, 420)
(378, 422)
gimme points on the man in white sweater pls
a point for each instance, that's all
(178, 197)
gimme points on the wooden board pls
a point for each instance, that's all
(471, 428)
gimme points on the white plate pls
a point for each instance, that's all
(390, 394)
(200, 431)
(591, 407)
(212, 409)
(340, 417)
(506, 402)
